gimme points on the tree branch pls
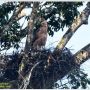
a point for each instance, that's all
(28, 77)
(80, 20)
(20, 17)
(82, 55)
(15, 14)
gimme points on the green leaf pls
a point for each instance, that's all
(88, 81)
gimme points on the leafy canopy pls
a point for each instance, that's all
(57, 14)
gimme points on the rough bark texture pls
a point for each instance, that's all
(82, 55)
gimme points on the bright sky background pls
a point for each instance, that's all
(80, 39)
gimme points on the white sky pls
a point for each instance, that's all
(79, 39)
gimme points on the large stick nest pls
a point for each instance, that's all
(52, 67)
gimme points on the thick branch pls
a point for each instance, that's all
(80, 20)
(82, 55)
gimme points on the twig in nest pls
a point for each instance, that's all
(27, 79)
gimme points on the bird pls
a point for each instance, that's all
(40, 37)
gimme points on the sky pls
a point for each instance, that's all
(80, 39)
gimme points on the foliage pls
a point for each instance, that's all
(51, 11)
(10, 36)
(75, 79)
(78, 78)
(60, 14)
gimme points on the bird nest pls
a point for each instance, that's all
(47, 67)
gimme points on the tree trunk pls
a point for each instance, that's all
(30, 27)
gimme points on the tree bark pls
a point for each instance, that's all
(29, 38)
(82, 55)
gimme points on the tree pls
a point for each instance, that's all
(42, 68)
